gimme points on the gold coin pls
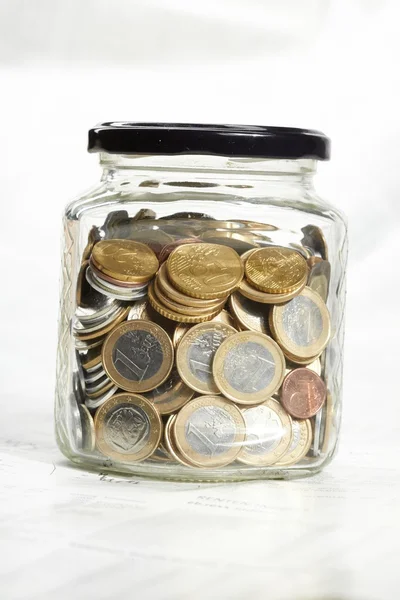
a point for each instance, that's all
(128, 428)
(302, 326)
(319, 276)
(174, 316)
(138, 355)
(170, 443)
(88, 433)
(301, 443)
(276, 270)
(91, 359)
(257, 296)
(248, 367)
(315, 366)
(125, 260)
(205, 270)
(170, 395)
(121, 316)
(268, 434)
(180, 330)
(209, 431)
(181, 308)
(301, 361)
(250, 315)
(168, 290)
(195, 355)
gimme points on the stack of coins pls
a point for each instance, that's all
(199, 356)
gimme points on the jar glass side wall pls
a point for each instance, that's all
(241, 211)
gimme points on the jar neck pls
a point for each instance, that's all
(300, 171)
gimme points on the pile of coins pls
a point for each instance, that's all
(200, 353)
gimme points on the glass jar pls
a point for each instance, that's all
(202, 304)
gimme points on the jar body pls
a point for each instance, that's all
(241, 204)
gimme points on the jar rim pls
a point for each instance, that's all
(121, 137)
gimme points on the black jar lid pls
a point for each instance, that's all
(223, 140)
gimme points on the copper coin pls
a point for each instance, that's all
(303, 393)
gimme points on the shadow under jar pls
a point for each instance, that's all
(202, 304)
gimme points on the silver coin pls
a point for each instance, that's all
(88, 433)
(100, 287)
(79, 328)
(94, 375)
(93, 304)
(97, 385)
(86, 345)
(264, 430)
(113, 287)
(302, 321)
(319, 278)
(75, 422)
(210, 431)
(80, 375)
(94, 403)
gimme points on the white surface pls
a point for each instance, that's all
(67, 65)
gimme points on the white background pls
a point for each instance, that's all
(329, 65)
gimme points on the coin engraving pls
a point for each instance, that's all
(210, 431)
(263, 430)
(276, 270)
(249, 367)
(127, 429)
(137, 355)
(302, 321)
(303, 393)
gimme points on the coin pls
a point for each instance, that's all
(99, 390)
(195, 355)
(101, 332)
(180, 330)
(80, 376)
(302, 326)
(94, 403)
(75, 422)
(181, 308)
(303, 393)
(86, 345)
(205, 270)
(301, 442)
(96, 376)
(319, 277)
(108, 289)
(161, 455)
(91, 359)
(170, 395)
(170, 443)
(128, 428)
(92, 305)
(268, 434)
(125, 260)
(209, 431)
(174, 316)
(250, 315)
(167, 249)
(88, 434)
(93, 237)
(80, 329)
(138, 355)
(314, 238)
(248, 367)
(315, 366)
(276, 270)
(257, 296)
(175, 295)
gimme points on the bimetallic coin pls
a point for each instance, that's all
(170, 395)
(128, 428)
(138, 355)
(195, 355)
(302, 326)
(250, 315)
(88, 434)
(268, 434)
(125, 260)
(248, 367)
(209, 431)
(174, 316)
(301, 442)
(319, 277)
(205, 270)
(170, 443)
(93, 403)
(276, 270)
(303, 393)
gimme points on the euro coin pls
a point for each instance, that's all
(128, 428)
(301, 442)
(248, 367)
(303, 393)
(250, 315)
(276, 270)
(171, 395)
(125, 260)
(138, 355)
(163, 310)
